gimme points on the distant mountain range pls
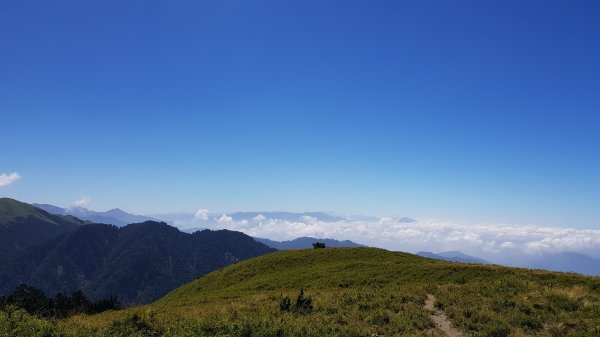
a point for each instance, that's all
(136, 263)
(114, 216)
(23, 226)
(453, 256)
(53, 249)
(305, 242)
(564, 262)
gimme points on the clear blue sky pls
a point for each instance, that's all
(477, 111)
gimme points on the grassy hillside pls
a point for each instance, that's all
(359, 292)
(13, 211)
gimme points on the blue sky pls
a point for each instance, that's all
(466, 110)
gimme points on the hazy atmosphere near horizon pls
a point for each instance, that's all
(469, 126)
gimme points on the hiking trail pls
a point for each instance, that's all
(440, 319)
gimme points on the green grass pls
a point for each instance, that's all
(11, 209)
(357, 292)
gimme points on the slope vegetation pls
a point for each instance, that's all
(366, 292)
(23, 225)
(137, 263)
(351, 292)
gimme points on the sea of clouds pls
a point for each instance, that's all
(498, 243)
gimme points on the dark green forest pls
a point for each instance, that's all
(37, 303)
(136, 264)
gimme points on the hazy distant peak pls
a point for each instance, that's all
(115, 216)
(306, 242)
(50, 208)
(78, 210)
(454, 256)
(117, 212)
(567, 262)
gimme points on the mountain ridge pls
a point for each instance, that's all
(306, 242)
(453, 256)
(136, 263)
(566, 262)
(115, 216)
(23, 225)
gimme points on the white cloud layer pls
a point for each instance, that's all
(6, 179)
(201, 214)
(488, 241)
(225, 220)
(82, 202)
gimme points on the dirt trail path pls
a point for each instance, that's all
(442, 322)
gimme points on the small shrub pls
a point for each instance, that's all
(318, 245)
(303, 303)
(285, 304)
